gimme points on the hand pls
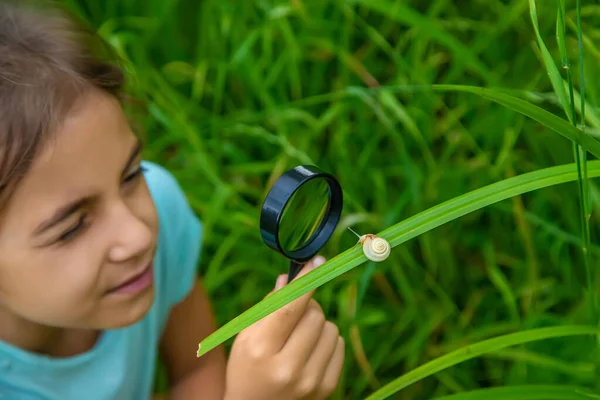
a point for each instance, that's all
(293, 353)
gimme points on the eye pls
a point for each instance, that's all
(74, 230)
(135, 174)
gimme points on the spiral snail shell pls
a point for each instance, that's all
(375, 248)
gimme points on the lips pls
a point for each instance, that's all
(136, 283)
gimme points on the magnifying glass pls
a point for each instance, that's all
(300, 214)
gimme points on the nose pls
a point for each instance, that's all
(130, 235)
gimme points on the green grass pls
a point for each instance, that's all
(240, 91)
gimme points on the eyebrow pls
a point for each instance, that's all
(61, 214)
(69, 209)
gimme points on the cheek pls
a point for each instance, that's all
(80, 267)
(52, 288)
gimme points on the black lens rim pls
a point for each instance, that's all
(278, 198)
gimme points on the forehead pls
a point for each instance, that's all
(87, 150)
(96, 123)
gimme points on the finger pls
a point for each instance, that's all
(302, 342)
(323, 352)
(331, 378)
(279, 325)
(312, 373)
(279, 283)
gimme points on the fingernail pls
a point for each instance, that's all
(318, 261)
(281, 281)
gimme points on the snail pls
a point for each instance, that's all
(375, 248)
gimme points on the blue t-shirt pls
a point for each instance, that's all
(121, 365)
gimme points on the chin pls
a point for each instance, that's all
(130, 312)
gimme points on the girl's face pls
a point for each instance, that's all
(80, 225)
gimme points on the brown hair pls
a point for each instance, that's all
(48, 59)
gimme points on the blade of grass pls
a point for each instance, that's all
(586, 189)
(396, 235)
(566, 103)
(477, 349)
(579, 153)
(582, 371)
(544, 117)
(525, 392)
(553, 74)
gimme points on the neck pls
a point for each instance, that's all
(44, 339)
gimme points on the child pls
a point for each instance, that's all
(99, 249)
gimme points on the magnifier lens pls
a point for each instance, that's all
(304, 214)
(300, 214)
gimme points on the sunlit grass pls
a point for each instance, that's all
(240, 91)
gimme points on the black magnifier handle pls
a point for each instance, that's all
(295, 268)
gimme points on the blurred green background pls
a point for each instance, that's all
(240, 91)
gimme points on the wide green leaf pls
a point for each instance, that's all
(396, 235)
(525, 392)
(477, 349)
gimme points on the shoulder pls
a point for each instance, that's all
(163, 186)
(171, 202)
(180, 234)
